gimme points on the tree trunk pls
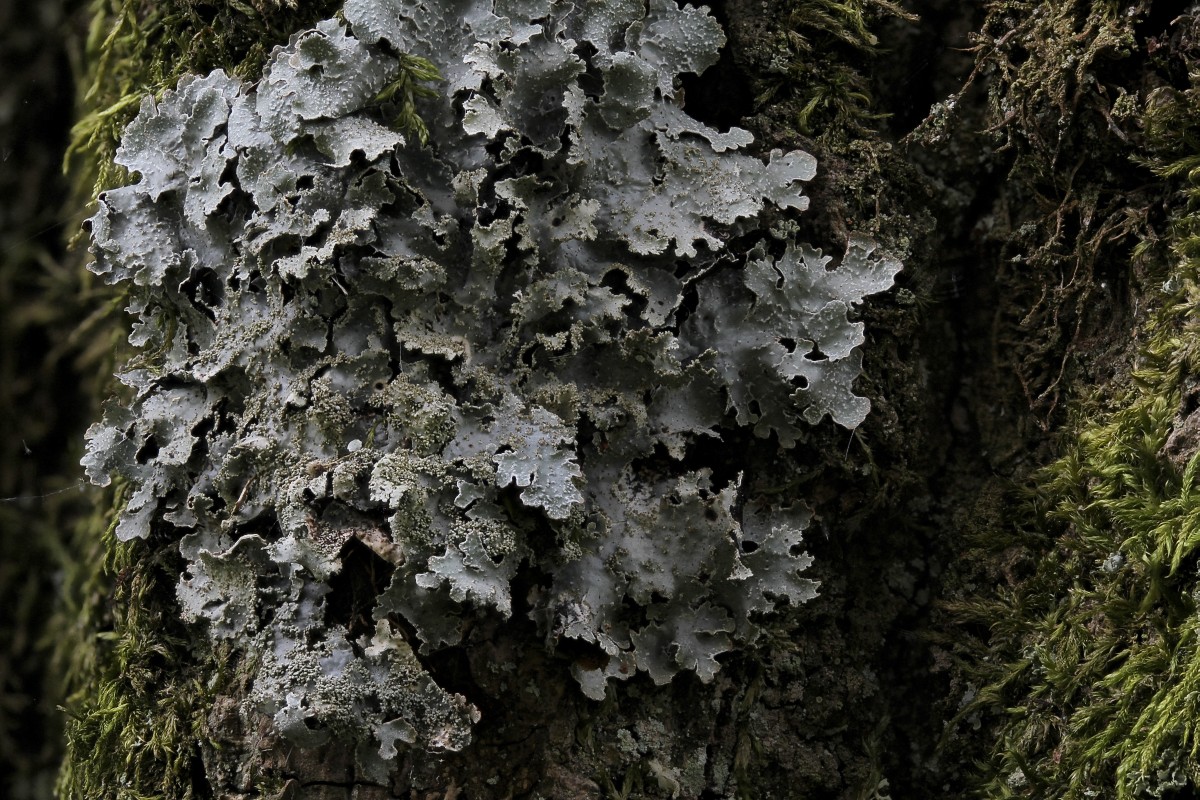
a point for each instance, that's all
(477, 434)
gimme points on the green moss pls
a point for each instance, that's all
(814, 62)
(1094, 662)
(1065, 84)
(141, 694)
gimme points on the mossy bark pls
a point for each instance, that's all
(1031, 161)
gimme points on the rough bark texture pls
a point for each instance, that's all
(1011, 528)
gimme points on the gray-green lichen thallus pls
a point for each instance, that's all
(507, 350)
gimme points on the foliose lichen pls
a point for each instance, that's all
(504, 351)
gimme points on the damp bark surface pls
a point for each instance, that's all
(1012, 157)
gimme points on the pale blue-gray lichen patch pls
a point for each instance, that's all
(473, 358)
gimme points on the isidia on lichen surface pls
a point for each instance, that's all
(501, 344)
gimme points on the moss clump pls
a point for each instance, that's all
(1097, 648)
(1094, 660)
(812, 61)
(142, 695)
(1065, 85)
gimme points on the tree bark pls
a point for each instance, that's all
(979, 544)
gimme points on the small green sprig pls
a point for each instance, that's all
(415, 73)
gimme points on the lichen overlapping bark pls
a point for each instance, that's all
(499, 356)
(458, 517)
